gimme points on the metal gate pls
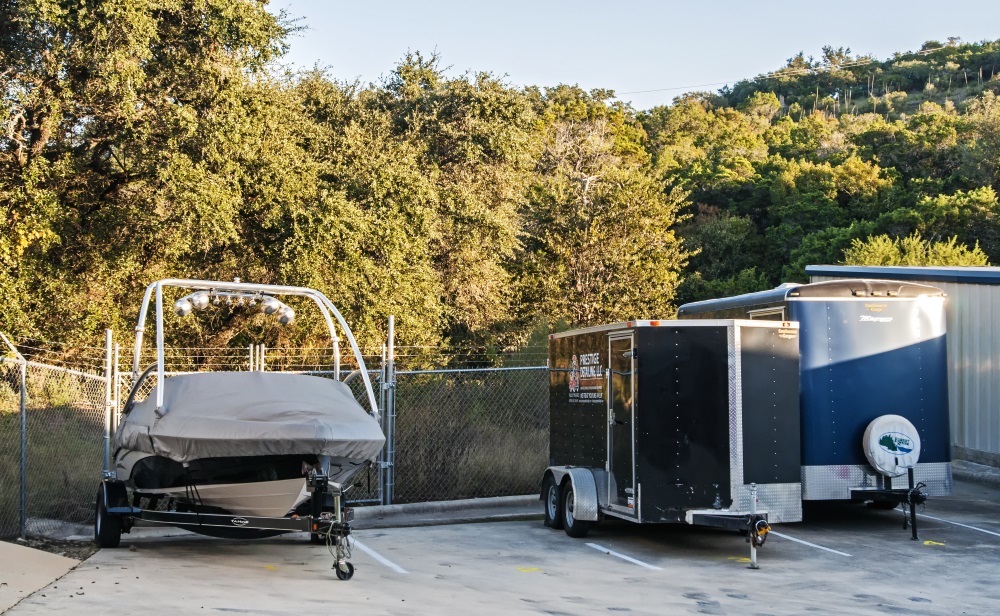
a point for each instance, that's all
(467, 433)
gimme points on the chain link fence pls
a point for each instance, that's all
(452, 434)
(469, 433)
(63, 428)
(10, 448)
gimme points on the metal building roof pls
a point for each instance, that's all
(964, 274)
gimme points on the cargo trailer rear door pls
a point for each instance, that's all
(621, 424)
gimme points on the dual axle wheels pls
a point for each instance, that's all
(560, 505)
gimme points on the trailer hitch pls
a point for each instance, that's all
(914, 496)
(757, 529)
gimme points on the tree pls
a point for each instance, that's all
(477, 141)
(835, 57)
(981, 155)
(124, 123)
(599, 243)
(912, 250)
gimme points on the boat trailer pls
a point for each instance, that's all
(115, 515)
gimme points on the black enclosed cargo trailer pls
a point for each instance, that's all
(674, 421)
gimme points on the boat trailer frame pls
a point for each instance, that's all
(331, 527)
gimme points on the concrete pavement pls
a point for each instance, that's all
(843, 559)
(24, 570)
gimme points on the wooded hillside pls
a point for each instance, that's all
(144, 140)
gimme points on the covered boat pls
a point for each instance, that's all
(242, 442)
(245, 453)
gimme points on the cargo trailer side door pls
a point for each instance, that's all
(621, 424)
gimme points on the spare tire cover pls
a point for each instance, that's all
(891, 444)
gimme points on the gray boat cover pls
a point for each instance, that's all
(227, 414)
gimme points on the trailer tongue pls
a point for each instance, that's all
(692, 422)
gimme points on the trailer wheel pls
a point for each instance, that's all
(572, 526)
(107, 528)
(553, 503)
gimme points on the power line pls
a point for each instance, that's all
(701, 85)
(785, 72)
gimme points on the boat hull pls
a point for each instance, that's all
(271, 486)
(260, 498)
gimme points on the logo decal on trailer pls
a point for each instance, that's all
(895, 442)
(586, 379)
(867, 318)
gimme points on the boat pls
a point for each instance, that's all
(242, 443)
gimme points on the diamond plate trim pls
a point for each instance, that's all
(834, 482)
(781, 501)
(585, 493)
(735, 411)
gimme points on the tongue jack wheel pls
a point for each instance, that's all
(345, 570)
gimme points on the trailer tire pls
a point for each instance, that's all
(552, 502)
(107, 528)
(572, 526)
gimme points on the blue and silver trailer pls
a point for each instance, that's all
(873, 382)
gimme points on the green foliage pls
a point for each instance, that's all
(722, 244)
(852, 147)
(823, 247)
(149, 140)
(841, 83)
(599, 243)
(912, 250)
(696, 288)
(981, 160)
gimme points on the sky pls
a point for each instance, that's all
(629, 47)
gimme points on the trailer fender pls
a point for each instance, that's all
(584, 488)
(116, 497)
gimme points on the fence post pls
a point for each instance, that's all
(390, 412)
(117, 393)
(23, 514)
(382, 410)
(107, 399)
